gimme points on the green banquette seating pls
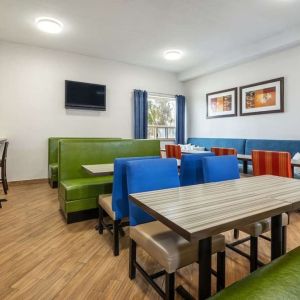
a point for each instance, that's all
(278, 280)
(53, 157)
(78, 191)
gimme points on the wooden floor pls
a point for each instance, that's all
(43, 258)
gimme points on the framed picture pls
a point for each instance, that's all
(262, 98)
(222, 104)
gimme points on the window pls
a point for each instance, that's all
(161, 117)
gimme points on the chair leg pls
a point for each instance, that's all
(3, 180)
(284, 239)
(170, 286)
(116, 236)
(6, 183)
(100, 223)
(132, 259)
(253, 253)
(221, 270)
(236, 233)
(2, 200)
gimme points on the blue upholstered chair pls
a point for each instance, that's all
(191, 169)
(116, 205)
(159, 241)
(222, 168)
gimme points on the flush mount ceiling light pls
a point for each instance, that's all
(49, 25)
(173, 54)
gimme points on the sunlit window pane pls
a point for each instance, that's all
(161, 117)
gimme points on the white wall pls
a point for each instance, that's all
(269, 126)
(32, 101)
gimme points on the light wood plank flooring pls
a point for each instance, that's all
(43, 258)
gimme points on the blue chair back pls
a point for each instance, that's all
(191, 169)
(149, 175)
(119, 192)
(220, 168)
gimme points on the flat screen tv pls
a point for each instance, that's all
(82, 95)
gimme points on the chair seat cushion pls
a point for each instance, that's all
(258, 228)
(170, 249)
(83, 188)
(53, 170)
(278, 280)
(105, 201)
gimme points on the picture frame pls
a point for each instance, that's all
(222, 104)
(262, 98)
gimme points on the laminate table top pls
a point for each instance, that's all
(200, 211)
(295, 163)
(195, 151)
(105, 169)
(100, 169)
(246, 157)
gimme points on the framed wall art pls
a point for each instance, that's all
(262, 98)
(222, 104)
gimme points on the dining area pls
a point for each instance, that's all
(178, 208)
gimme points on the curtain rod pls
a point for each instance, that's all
(162, 94)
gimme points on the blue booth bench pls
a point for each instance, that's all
(245, 146)
(292, 146)
(208, 143)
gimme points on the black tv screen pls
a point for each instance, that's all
(85, 95)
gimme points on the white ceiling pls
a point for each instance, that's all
(211, 33)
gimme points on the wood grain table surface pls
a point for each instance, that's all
(200, 211)
(100, 169)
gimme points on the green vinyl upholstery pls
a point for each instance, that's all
(53, 174)
(278, 280)
(53, 156)
(78, 190)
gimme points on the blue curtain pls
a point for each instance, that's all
(180, 119)
(140, 114)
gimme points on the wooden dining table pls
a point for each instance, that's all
(105, 169)
(99, 169)
(191, 151)
(199, 212)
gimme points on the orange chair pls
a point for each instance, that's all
(173, 151)
(223, 151)
(264, 163)
(271, 163)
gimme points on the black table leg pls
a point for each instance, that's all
(245, 166)
(293, 171)
(204, 258)
(276, 242)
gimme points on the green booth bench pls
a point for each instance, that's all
(277, 281)
(53, 156)
(78, 191)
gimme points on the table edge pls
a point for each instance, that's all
(218, 229)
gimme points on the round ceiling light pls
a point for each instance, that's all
(173, 54)
(49, 25)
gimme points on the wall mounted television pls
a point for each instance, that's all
(82, 95)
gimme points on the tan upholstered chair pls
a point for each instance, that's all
(172, 252)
